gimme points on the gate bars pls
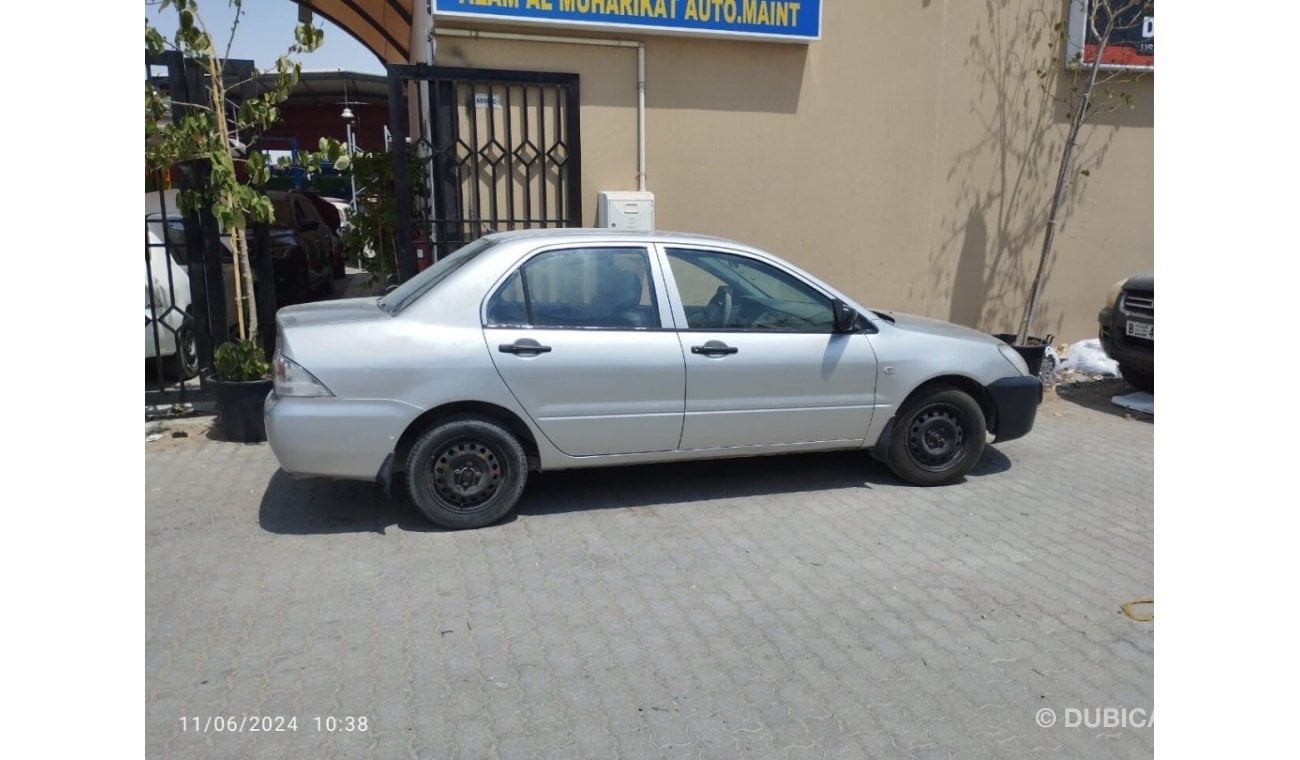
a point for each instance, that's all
(497, 150)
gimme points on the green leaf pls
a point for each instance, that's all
(154, 41)
(240, 360)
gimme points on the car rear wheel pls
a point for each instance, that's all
(466, 472)
(937, 438)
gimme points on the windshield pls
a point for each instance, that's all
(411, 290)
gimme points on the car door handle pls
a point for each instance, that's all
(524, 346)
(714, 348)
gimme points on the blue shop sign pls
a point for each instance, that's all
(778, 20)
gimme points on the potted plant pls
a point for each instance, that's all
(240, 385)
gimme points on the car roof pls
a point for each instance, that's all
(580, 234)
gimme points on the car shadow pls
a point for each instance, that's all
(676, 482)
(1096, 395)
(322, 506)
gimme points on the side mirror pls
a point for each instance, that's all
(845, 316)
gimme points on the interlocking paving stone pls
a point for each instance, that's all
(802, 606)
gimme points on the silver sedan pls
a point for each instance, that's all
(545, 350)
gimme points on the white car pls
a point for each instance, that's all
(345, 210)
(168, 324)
(168, 315)
(553, 349)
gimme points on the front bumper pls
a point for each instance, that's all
(1015, 401)
(1132, 352)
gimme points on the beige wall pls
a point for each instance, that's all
(908, 157)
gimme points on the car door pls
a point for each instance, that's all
(312, 233)
(764, 365)
(578, 335)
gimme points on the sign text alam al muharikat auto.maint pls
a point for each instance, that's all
(793, 20)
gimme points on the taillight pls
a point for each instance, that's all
(292, 380)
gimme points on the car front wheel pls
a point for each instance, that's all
(937, 438)
(1144, 381)
(185, 364)
(466, 472)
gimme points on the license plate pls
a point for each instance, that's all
(1140, 330)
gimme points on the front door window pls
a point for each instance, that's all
(723, 291)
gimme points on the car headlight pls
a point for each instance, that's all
(292, 380)
(1113, 295)
(1013, 356)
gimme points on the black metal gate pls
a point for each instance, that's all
(188, 306)
(183, 281)
(493, 150)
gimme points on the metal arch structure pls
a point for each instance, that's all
(383, 26)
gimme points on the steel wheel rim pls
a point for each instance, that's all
(189, 350)
(936, 438)
(466, 473)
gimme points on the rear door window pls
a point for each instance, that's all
(593, 288)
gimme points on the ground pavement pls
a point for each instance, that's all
(801, 606)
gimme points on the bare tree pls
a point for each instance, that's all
(1105, 19)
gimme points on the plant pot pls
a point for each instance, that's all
(239, 408)
(1032, 350)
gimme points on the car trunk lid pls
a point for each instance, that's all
(330, 313)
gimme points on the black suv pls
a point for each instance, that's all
(304, 250)
(1128, 329)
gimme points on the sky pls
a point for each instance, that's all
(266, 31)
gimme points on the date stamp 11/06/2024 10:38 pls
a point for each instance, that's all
(273, 724)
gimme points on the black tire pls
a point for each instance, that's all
(466, 472)
(938, 437)
(1143, 381)
(184, 364)
(339, 269)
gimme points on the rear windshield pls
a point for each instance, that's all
(410, 291)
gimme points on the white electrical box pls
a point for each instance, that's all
(626, 210)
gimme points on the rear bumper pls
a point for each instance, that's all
(1016, 401)
(332, 437)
